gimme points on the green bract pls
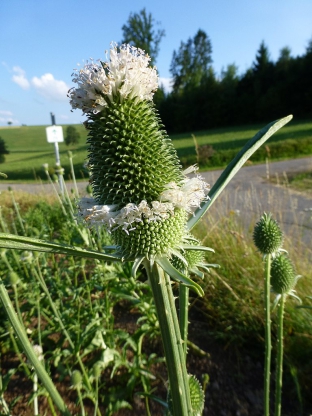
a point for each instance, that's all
(131, 156)
(267, 235)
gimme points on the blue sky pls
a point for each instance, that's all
(42, 41)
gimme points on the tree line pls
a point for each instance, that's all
(202, 99)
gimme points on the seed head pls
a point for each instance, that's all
(267, 235)
(283, 276)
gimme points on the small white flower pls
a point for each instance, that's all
(190, 194)
(127, 73)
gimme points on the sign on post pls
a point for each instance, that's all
(54, 134)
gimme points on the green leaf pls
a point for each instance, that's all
(233, 167)
(17, 242)
(165, 264)
(199, 248)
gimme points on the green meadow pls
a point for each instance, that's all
(29, 148)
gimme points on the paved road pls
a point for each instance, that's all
(248, 195)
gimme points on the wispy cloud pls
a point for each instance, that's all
(51, 88)
(19, 78)
(7, 117)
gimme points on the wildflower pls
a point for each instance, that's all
(140, 192)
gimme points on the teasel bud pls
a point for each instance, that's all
(76, 378)
(197, 397)
(267, 236)
(13, 278)
(193, 258)
(140, 193)
(283, 276)
(97, 369)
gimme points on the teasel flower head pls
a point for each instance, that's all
(140, 192)
(283, 277)
(267, 235)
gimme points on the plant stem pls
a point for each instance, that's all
(35, 388)
(279, 358)
(183, 314)
(29, 351)
(268, 346)
(171, 337)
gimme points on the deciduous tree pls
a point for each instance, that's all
(3, 150)
(191, 62)
(140, 31)
(72, 136)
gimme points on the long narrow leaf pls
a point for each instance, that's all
(233, 167)
(175, 274)
(26, 243)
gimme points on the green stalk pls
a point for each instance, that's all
(279, 359)
(183, 314)
(171, 337)
(29, 351)
(268, 346)
(72, 171)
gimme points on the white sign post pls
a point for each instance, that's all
(55, 135)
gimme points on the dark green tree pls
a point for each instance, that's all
(140, 31)
(191, 62)
(3, 150)
(262, 62)
(72, 136)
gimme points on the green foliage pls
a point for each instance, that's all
(139, 31)
(3, 150)
(191, 62)
(72, 136)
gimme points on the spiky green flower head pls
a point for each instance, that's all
(267, 235)
(283, 276)
(197, 398)
(192, 257)
(140, 192)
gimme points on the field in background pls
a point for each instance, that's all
(29, 149)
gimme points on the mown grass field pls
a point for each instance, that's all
(29, 149)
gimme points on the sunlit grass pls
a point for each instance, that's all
(29, 149)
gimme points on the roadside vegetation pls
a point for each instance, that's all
(111, 318)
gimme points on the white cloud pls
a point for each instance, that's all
(166, 83)
(50, 87)
(64, 117)
(20, 78)
(6, 113)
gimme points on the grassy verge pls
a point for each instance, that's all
(96, 300)
(29, 149)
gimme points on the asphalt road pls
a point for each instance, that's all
(248, 195)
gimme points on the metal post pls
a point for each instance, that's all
(57, 157)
